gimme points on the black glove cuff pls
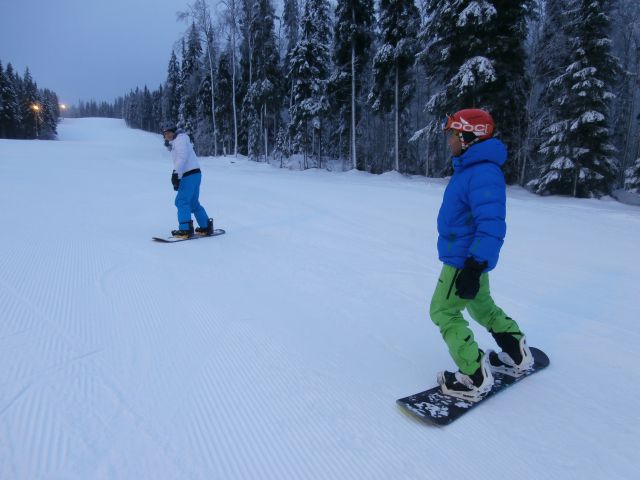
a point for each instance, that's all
(472, 264)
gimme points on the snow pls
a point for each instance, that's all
(587, 117)
(476, 13)
(277, 351)
(562, 163)
(592, 117)
(626, 196)
(475, 71)
(585, 72)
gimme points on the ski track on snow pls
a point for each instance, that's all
(277, 350)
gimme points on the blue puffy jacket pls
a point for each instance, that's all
(471, 221)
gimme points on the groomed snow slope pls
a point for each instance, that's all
(277, 351)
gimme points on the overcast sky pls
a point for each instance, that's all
(90, 49)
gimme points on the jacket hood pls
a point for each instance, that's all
(175, 135)
(491, 150)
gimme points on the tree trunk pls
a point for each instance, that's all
(397, 93)
(266, 141)
(213, 103)
(233, 94)
(353, 96)
(626, 161)
(233, 77)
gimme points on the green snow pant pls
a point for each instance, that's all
(446, 312)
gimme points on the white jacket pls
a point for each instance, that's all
(182, 154)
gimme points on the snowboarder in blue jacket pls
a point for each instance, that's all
(186, 179)
(471, 230)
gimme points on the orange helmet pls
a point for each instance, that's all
(472, 125)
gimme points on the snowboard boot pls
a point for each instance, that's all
(472, 388)
(206, 231)
(515, 358)
(184, 233)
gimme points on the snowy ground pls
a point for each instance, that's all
(277, 351)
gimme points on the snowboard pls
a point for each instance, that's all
(216, 232)
(435, 407)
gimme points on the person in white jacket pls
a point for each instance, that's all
(186, 178)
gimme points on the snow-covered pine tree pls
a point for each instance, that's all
(290, 26)
(579, 159)
(291, 30)
(49, 114)
(554, 49)
(310, 67)
(507, 96)
(191, 76)
(146, 108)
(352, 42)
(204, 135)
(129, 110)
(291, 23)
(625, 23)
(454, 54)
(25, 110)
(156, 109)
(200, 12)
(475, 52)
(246, 17)
(261, 103)
(251, 118)
(232, 15)
(170, 97)
(10, 117)
(632, 177)
(546, 52)
(392, 65)
(29, 100)
(224, 104)
(2, 102)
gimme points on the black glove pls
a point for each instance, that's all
(468, 281)
(175, 181)
(167, 144)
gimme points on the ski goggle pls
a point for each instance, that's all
(448, 122)
(462, 126)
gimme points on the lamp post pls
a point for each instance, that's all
(36, 110)
(63, 108)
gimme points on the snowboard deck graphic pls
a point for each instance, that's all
(216, 232)
(435, 407)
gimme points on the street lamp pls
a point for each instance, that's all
(62, 110)
(36, 109)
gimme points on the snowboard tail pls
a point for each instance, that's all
(435, 407)
(216, 232)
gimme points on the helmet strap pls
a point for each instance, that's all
(467, 139)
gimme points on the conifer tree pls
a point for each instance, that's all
(632, 177)
(352, 42)
(579, 159)
(392, 65)
(49, 114)
(224, 105)
(261, 103)
(30, 106)
(11, 117)
(475, 52)
(171, 98)
(291, 24)
(191, 76)
(310, 68)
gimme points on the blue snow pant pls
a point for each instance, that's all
(187, 202)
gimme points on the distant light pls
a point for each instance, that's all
(35, 107)
(63, 106)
